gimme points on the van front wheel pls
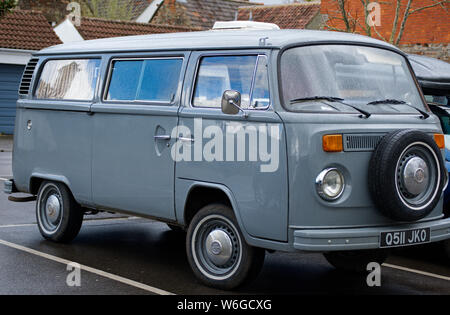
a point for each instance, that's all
(217, 251)
(58, 215)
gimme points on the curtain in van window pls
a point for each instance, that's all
(68, 79)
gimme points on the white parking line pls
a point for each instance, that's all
(88, 269)
(423, 273)
(85, 220)
(17, 225)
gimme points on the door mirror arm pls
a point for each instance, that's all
(231, 103)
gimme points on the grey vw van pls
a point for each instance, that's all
(249, 140)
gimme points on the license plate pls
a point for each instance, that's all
(405, 238)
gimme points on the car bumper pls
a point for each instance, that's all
(326, 240)
(9, 187)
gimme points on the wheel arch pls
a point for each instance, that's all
(210, 193)
(36, 180)
(184, 187)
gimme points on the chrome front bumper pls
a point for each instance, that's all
(326, 240)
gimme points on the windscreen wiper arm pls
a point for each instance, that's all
(424, 114)
(332, 99)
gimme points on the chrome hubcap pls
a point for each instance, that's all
(219, 247)
(415, 176)
(418, 176)
(53, 209)
(50, 209)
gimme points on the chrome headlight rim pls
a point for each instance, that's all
(320, 182)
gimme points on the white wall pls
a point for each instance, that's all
(148, 14)
(15, 56)
(67, 32)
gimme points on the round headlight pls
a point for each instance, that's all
(330, 184)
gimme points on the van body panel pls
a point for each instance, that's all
(355, 207)
(132, 167)
(262, 197)
(52, 147)
(131, 170)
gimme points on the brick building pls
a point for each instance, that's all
(426, 32)
(53, 10)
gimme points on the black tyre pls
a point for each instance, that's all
(58, 215)
(217, 251)
(407, 175)
(176, 228)
(356, 261)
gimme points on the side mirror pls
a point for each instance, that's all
(231, 102)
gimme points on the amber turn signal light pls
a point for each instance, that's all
(440, 140)
(333, 143)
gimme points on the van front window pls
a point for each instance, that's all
(331, 77)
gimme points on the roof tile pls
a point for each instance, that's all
(202, 13)
(289, 16)
(27, 30)
(95, 28)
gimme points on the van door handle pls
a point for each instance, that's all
(164, 138)
(191, 140)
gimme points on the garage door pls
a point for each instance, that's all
(10, 76)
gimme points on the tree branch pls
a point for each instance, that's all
(429, 6)
(395, 24)
(405, 18)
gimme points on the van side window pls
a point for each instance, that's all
(144, 80)
(68, 79)
(261, 94)
(220, 73)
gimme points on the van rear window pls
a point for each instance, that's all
(151, 80)
(68, 79)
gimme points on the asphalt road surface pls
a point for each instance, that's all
(128, 255)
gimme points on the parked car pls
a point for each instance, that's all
(434, 79)
(250, 140)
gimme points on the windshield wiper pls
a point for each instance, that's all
(331, 99)
(424, 114)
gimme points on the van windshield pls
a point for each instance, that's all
(364, 77)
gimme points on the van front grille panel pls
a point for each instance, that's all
(361, 142)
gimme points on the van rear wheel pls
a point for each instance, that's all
(217, 251)
(58, 215)
(356, 261)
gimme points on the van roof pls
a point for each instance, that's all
(214, 39)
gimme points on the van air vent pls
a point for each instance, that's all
(27, 76)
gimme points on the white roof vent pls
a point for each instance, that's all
(244, 25)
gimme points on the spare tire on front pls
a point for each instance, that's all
(407, 175)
